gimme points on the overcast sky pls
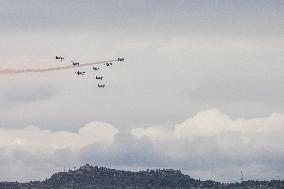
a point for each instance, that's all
(201, 90)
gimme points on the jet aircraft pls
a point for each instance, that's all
(59, 58)
(76, 63)
(101, 78)
(109, 64)
(80, 73)
(96, 68)
(101, 86)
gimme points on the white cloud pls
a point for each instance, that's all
(213, 140)
(209, 145)
(37, 141)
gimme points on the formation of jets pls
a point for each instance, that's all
(95, 68)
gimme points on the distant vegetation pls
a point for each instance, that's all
(89, 177)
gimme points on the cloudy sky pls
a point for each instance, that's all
(202, 88)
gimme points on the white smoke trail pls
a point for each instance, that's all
(40, 70)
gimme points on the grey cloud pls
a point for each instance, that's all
(25, 95)
(125, 151)
(19, 165)
(145, 15)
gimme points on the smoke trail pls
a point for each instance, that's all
(40, 70)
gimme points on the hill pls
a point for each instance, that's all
(93, 177)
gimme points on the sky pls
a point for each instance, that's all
(201, 90)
